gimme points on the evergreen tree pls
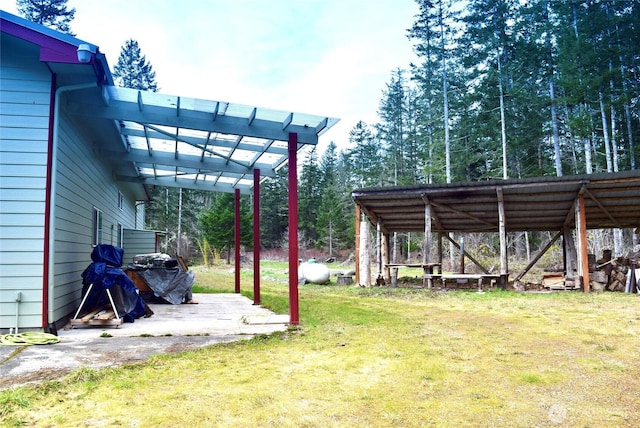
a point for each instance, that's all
(274, 211)
(333, 219)
(309, 195)
(52, 13)
(218, 224)
(364, 159)
(393, 128)
(434, 41)
(133, 70)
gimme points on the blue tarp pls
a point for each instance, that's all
(105, 273)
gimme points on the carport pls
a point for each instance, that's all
(157, 139)
(568, 206)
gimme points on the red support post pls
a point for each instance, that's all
(293, 229)
(237, 239)
(256, 236)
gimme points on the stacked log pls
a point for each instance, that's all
(617, 274)
(618, 277)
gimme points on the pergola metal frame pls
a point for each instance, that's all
(172, 141)
(196, 144)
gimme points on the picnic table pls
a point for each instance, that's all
(427, 269)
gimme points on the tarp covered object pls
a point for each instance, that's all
(173, 285)
(105, 273)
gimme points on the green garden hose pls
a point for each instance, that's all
(28, 338)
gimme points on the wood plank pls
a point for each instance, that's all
(90, 315)
(106, 315)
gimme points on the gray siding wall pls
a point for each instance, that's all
(140, 215)
(138, 242)
(83, 182)
(24, 121)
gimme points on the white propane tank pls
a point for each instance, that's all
(314, 273)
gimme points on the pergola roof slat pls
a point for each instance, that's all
(201, 142)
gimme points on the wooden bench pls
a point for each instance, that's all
(480, 277)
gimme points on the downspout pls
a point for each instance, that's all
(49, 229)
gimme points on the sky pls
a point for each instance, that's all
(324, 57)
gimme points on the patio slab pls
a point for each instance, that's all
(217, 318)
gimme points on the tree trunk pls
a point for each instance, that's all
(632, 157)
(445, 98)
(503, 125)
(605, 132)
(554, 127)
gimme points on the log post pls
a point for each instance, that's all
(502, 227)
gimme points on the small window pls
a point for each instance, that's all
(97, 226)
(120, 200)
(120, 235)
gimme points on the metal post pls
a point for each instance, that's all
(236, 238)
(256, 236)
(293, 229)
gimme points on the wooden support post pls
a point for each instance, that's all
(570, 254)
(440, 252)
(365, 267)
(357, 255)
(502, 227)
(385, 258)
(581, 224)
(426, 251)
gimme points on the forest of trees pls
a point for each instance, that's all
(502, 89)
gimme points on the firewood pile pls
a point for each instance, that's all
(617, 274)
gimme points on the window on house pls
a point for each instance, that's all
(120, 236)
(97, 226)
(120, 200)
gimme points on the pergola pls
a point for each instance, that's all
(156, 139)
(555, 204)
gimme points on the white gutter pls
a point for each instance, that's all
(52, 198)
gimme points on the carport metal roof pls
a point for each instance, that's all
(193, 143)
(532, 204)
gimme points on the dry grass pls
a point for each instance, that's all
(378, 357)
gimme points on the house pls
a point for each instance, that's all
(77, 156)
(58, 199)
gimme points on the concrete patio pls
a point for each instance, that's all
(217, 318)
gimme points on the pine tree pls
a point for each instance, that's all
(309, 193)
(393, 129)
(364, 160)
(132, 70)
(333, 218)
(218, 224)
(52, 13)
(274, 211)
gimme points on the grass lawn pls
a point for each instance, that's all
(375, 357)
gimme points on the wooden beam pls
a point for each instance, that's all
(536, 258)
(604, 210)
(467, 255)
